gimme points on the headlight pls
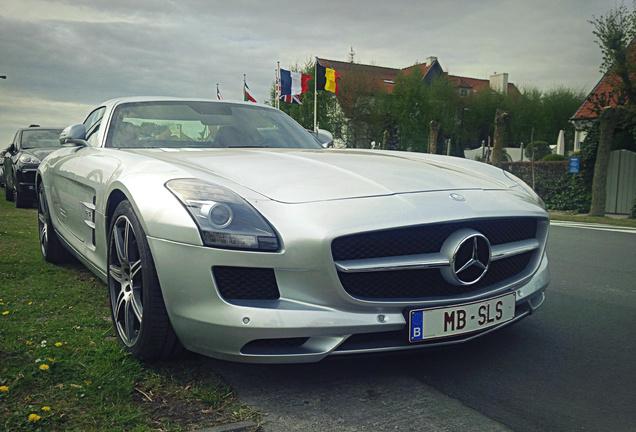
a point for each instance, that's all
(527, 189)
(29, 159)
(225, 220)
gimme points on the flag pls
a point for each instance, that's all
(247, 96)
(327, 78)
(291, 99)
(218, 93)
(293, 83)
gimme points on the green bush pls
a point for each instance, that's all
(567, 192)
(541, 149)
(553, 157)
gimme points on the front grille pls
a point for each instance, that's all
(428, 238)
(421, 284)
(246, 283)
(27, 177)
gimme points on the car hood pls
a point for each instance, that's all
(40, 153)
(296, 176)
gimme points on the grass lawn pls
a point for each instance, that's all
(61, 368)
(575, 217)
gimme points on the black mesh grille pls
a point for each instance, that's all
(246, 283)
(420, 284)
(428, 238)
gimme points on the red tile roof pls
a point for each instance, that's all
(604, 88)
(378, 75)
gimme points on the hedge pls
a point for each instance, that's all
(553, 182)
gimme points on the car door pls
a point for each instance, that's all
(11, 158)
(72, 205)
(93, 168)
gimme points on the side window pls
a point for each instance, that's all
(92, 124)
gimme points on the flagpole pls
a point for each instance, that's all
(278, 89)
(315, 95)
(244, 89)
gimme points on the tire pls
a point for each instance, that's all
(8, 191)
(17, 198)
(52, 249)
(137, 307)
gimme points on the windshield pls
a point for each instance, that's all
(41, 138)
(191, 124)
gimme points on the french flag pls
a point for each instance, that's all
(293, 83)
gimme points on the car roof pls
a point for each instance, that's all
(133, 99)
(41, 128)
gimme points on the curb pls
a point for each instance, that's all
(244, 426)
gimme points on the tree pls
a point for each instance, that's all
(609, 118)
(502, 118)
(432, 143)
(539, 149)
(411, 108)
(615, 32)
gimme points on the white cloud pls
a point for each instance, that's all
(77, 53)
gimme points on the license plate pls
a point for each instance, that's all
(426, 324)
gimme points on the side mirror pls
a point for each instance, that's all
(75, 134)
(10, 149)
(325, 138)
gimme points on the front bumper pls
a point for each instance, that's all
(25, 182)
(313, 318)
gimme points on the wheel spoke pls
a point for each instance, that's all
(116, 273)
(135, 267)
(44, 236)
(121, 240)
(137, 307)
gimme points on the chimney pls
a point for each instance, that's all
(499, 82)
(430, 60)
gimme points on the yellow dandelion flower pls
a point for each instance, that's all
(88, 382)
(44, 367)
(46, 408)
(58, 343)
(5, 313)
(52, 360)
(30, 303)
(34, 417)
(29, 343)
(4, 388)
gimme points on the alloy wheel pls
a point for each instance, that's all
(125, 281)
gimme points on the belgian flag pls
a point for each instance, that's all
(327, 79)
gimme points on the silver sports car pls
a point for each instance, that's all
(227, 229)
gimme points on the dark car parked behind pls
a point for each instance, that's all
(21, 161)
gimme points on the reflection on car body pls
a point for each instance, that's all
(227, 229)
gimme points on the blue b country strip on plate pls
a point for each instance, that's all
(425, 324)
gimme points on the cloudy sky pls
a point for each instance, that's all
(62, 58)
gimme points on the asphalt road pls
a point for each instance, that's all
(569, 367)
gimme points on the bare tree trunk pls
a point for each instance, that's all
(609, 118)
(501, 120)
(432, 139)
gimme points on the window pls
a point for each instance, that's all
(92, 124)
